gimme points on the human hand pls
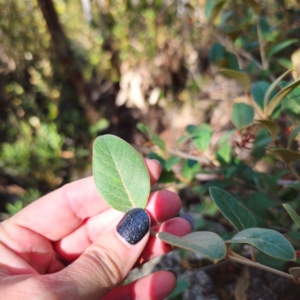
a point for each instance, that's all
(66, 246)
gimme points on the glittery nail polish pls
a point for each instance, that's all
(134, 225)
(190, 219)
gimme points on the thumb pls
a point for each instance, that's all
(107, 261)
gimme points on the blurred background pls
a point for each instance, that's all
(145, 70)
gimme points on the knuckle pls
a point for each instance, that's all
(106, 263)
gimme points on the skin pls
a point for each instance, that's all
(65, 246)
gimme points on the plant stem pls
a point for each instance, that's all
(262, 267)
(200, 159)
(261, 45)
(252, 253)
(293, 172)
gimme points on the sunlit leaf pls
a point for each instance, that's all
(280, 47)
(293, 134)
(143, 128)
(242, 78)
(272, 126)
(208, 244)
(278, 97)
(158, 141)
(212, 8)
(200, 135)
(242, 115)
(268, 241)
(286, 155)
(171, 161)
(292, 213)
(238, 215)
(120, 174)
(272, 87)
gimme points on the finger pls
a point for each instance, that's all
(62, 211)
(163, 205)
(155, 247)
(109, 259)
(148, 287)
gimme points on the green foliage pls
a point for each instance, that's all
(208, 244)
(120, 174)
(239, 216)
(268, 241)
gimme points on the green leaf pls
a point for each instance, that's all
(291, 103)
(157, 140)
(268, 241)
(293, 134)
(242, 115)
(254, 5)
(286, 155)
(208, 244)
(272, 87)
(292, 213)
(238, 215)
(216, 53)
(280, 47)
(143, 128)
(181, 286)
(278, 97)
(242, 78)
(258, 91)
(200, 135)
(190, 168)
(120, 174)
(171, 161)
(232, 62)
(286, 63)
(212, 8)
(272, 127)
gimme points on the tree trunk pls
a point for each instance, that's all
(62, 48)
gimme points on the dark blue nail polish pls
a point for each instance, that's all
(134, 225)
(190, 219)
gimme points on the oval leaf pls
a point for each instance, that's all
(238, 215)
(272, 126)
(120, 174)
(242, 78)
(268, 241)
(242, 115)
(292, 213)
(258, 91)
(286, 155)
(206, 243)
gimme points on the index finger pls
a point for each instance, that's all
(59, 213)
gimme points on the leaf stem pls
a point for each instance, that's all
(291, 169)
(262, 267)
(252, 253)
(261, 45)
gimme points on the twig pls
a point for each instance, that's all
(293, 172)
(261, 45)
(200, 159)
(262, 267)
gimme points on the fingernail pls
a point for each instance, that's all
(172, 272)
(134, 225)
(190, 219)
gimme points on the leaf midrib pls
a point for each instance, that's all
(115, 165)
